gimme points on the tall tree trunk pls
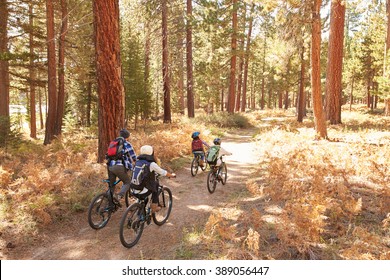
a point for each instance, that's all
(387, 100)
(248, 45)
(239, 86)
(4, 74)
(89, 102)
(222, 99)
(319, 116)
(368, 88)
(165, 64)
(351, 93)
(242, 62)
(301, 96)
(280, 99)
(263, 72)
(286, 103)
(61, 68)
(109, 72)
(180, 82)
(33, 115)
(190, 82)
(233, 59)
(335, 62)
(51, 73)
(147, 64)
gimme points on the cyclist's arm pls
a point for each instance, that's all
(207, 145)
(162, 172)
(223, 152)
(130, 151)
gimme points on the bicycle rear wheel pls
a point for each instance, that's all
(99, 211)
(165, 201)
(211, 181)
(132, 225)
(195, 166)
(223, 173)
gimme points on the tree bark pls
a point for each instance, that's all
(335, 62)
(319, 116)
(165, 64)
(301, 96)
(61, 68)
(248, 45)
(4, 74)
(387, 100)
(242, 62)
(233, 60)
(180, 81)
(109, 73)
(190, 82)
(32, 73)
(51, 73)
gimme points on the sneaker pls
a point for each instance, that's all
(155, 207)
(201, 163)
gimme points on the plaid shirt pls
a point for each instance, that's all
(128, 152)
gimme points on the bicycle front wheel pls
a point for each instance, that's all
(223, 173)
(165, 201)
(194, 166)
(99, 212)
(132, 225)
(211, 181)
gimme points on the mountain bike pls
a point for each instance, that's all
(136, 215)
(216, 174)
(104, 205)
(195, 163)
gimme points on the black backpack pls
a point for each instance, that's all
(141, 174)
(115, 149)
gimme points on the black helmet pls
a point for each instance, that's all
(124, 133)
(217, 141)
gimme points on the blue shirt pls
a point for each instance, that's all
(128, 153)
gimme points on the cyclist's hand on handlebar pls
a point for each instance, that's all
(171, 175)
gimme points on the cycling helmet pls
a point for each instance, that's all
(217, 141)
(147, 150)
(124, 133)
(195, 134)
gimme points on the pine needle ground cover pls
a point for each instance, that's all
(307, 199)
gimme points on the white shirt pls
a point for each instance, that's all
(154, 167)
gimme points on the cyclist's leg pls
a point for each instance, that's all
(111, 178)
(153, 187)
(218, 166)
(123, 175)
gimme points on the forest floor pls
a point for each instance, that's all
(287, 196)
(192, 206)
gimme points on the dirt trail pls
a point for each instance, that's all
(192, 204)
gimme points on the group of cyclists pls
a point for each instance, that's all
(214, 154)
(123, 167)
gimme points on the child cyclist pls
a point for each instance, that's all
(197, 146)
(215, 154)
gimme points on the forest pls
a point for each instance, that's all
(299, 90)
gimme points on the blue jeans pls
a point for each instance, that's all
(201, 153)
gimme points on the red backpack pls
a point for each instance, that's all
(197, 145)
(115, 148)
